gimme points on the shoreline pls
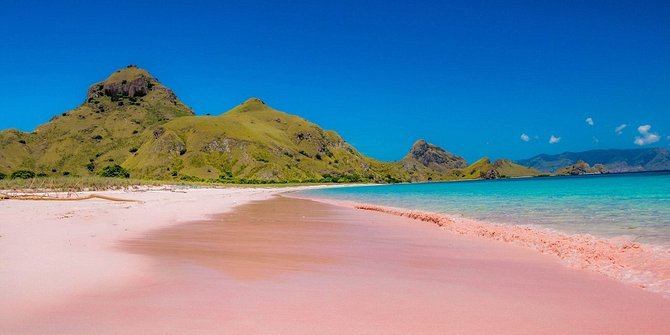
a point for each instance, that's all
(295, 266)
(259, 261)
(643, 265)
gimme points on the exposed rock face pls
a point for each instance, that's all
(158, 132)
(137, 87)
(430, 155)
(490, 174)
(131, 82)
(582, 167)
(600, 168)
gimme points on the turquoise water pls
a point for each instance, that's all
(634, 205)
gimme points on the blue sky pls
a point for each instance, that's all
(470, 76)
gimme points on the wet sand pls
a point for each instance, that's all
(294, 266)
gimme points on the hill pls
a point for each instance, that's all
(131, 124)
(253, 142)
(614, 160)
(99, 132)
(501, 168)
(426, 161)
(582, 167)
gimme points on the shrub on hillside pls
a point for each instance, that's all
(114, 171)
(188, 178)
(23, 174)
(2, 176)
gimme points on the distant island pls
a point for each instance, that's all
(610, 160)
(130, 125)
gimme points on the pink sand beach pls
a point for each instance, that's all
(245, 261)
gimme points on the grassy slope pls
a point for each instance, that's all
(100, 131)
(509, 169)
(505, 168)
(252, 141)
(155, 136)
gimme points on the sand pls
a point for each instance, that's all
(287, 266)
(51, 250)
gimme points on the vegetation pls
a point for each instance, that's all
(98, 129)
(69, 184)
(23, 174)
(114, 171)
(149, 133)
(2, 176)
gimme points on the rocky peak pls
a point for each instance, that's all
(129, 82)
(431, 155)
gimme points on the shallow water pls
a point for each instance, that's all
(634, 205)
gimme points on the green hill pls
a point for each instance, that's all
(99, 132)
(251, 142)
(131, 119)
(501, 168)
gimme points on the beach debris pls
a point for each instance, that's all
(67, 197)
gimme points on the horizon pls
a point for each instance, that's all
(476, 80)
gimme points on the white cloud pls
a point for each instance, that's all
(525, 137)
(595, 140)
(554, 139)
(619, 130)
(589, 121)
(646, 137)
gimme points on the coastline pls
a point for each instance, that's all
(259, 261)
(643, 265)
(294, 266)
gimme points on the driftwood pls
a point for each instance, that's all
(4, 196)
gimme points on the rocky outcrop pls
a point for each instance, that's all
(429, 155)
(581, 168)
(137, 87)
(131, 82)
(490, 174)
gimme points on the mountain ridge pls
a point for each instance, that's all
(133, 121)
(615, 160)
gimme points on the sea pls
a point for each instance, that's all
(635, 206)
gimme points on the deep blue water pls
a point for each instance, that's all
(635, 205)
